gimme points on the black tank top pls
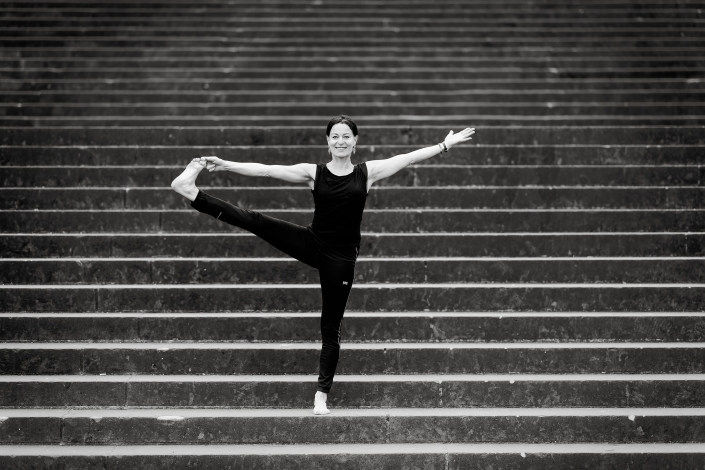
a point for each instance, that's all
(339, 201)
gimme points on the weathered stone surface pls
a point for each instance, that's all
(431, 326)
(255, 430)
(377, 429)
(558, 156)
(64, 394)
(440, 461)
(409, 360)
(379, 198)
(238, 245)
(24, 430)
(134, 176)
(366, 298)
(388, 134)
(12, 221)
(355, 394)
(307, 299)
(394, 221)
(370, 271)
(47, 300)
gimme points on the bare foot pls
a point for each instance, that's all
(319, 404)
(185, 183)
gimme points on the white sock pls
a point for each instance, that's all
(319, 404)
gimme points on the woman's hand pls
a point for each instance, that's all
(462, 136)
(213, 163)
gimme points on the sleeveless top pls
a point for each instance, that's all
(339, 201)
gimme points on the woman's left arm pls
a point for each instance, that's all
(380, 169)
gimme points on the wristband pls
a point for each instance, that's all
(443, 147)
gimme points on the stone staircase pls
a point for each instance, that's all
(532, 300)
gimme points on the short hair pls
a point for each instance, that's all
(342, 119)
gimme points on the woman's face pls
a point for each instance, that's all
(341, 141)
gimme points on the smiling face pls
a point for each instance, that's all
(341, 141)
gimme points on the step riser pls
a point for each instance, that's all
(378, 430)
(447, 460)
(263, 394)
(614, 360)
(355, 329)
(379, 198)
(243, 245)
(41, 21)
(452, 121)
(286, 61)
(411, 41)
(540, 97)
(307, 299)
(190, 113)
(429, 52)
(412, 176)
(390, 85)
(315, 135)
(560, 157)
(366, 271)
(381, 222)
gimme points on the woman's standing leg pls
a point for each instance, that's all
(336, 282)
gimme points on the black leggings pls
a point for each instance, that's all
(336, 274)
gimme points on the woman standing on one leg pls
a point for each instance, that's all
(331, 242)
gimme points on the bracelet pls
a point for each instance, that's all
(442, 146)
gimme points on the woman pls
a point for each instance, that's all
(331, 243)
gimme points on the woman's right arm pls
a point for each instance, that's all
(300, 173)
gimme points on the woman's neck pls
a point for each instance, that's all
(340, 166)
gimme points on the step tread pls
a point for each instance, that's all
(175, 414)
(355, 346)
(372, 378)
(347, 449)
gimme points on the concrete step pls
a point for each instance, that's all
(495, 30)
(415, 175)
(364, 297)
(562, 85)
(367, 270)
(239, 245)
(379, 50)
(373, 426)
(188, 111)
(416, 456)
(358, 327)
(469, 72)
(184, 426)
(374, 220)
(369, 61)
(448, 121)
(544, 97)
(382, 197)
(368, 391)
(44, 20)
(228, 110)
(638, 39)
(377, 135)
(548, 7)
(355, 358)
(559, 157)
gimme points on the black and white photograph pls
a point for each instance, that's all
(374, 234)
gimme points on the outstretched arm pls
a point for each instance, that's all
(380, 169)
(300, 173)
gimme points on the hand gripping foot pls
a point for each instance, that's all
(319, 404)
